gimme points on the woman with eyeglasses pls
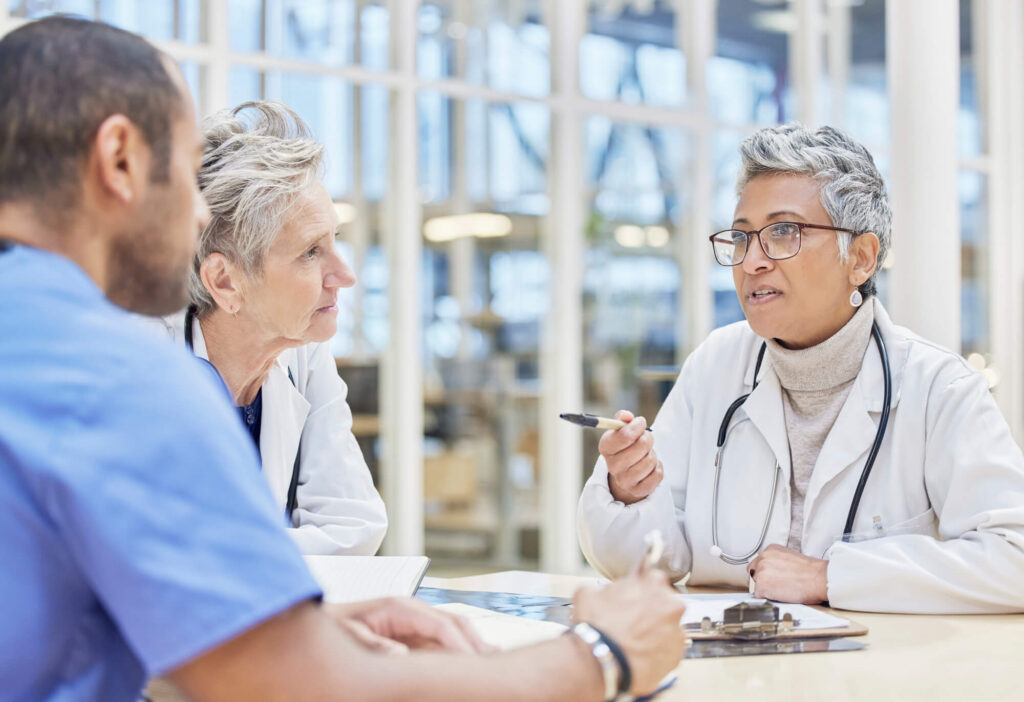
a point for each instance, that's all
(816, 450)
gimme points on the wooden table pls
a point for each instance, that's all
(973, 658)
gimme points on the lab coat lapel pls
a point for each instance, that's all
(764, 409)
(850, 439)
(284, 415)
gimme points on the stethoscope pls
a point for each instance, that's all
(723, 432)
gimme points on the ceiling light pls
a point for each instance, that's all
(778, 21)
(484, 225)
(630, 236)
(657, 236)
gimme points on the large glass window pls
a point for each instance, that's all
(483, 181)
(748, 77)
(632, 275)
(326, 32)
(976, 284)
(161, 20)
(632, 55)
(864, 112)
(503, 45)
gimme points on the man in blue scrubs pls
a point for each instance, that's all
(137, 536)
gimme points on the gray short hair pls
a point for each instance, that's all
(257, 157)
(852, 190)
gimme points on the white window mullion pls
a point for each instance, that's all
(806, 59)
(561, 354)
(923, 62)
(402, 396)
(1001, 73)
(696, 28)
(217, 87)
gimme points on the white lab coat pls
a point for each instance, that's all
(338, 510)
(940, 527)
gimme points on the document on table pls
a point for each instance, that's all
(713, 606)
(354, 578)
(504, 630)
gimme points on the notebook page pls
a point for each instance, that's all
(354, 578)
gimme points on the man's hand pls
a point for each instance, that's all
(642, 614)
(633, 467)
(394, 623)
(785, 575)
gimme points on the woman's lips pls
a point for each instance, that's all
(763, 297)
(329, 308)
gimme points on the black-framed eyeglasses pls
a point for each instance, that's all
(779, 241)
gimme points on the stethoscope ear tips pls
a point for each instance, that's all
(715, 552)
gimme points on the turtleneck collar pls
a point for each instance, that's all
(833, 362)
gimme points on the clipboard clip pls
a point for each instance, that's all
(751, 620)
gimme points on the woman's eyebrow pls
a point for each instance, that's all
(780, 213)
(773, 215)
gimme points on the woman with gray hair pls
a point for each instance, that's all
(263, 293)
(816, 451)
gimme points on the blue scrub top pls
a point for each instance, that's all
(136, 529)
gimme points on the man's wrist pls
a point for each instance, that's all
(615, 670)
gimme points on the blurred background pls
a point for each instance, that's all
(527, 188)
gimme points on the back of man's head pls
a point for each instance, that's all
(60, 78)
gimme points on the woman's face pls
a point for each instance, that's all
(803, 300)
(296, 298)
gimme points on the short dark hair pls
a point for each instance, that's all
(60, 78)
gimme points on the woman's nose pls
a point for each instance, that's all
(339, 274)
(756, 260)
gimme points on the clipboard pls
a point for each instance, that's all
(854, 629)
(739, 617)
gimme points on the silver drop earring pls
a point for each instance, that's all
(856, 299)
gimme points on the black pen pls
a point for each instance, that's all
(592, 420)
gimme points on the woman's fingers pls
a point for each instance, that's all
(615, 441)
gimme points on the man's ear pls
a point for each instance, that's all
(864, 256)
(121, 158)
(222, 279)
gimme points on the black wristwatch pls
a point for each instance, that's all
(614, 668)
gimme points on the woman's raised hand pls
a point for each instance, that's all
(633, 467)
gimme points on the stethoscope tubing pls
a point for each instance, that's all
(723, 431)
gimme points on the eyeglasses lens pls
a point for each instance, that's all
(781, 240)
(730, 247)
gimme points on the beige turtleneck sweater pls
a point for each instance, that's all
(815, 383)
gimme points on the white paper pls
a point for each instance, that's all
(505, 630)
(700, 606)
(354, 578)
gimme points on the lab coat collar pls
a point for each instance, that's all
(870, 379)
(285, 410)
(198, 342)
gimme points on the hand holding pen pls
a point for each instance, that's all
(633, 467)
